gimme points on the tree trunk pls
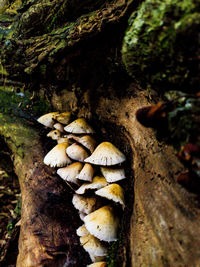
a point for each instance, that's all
(77, 67)
(47, 235)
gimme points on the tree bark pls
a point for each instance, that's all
(78, 68)
(48, 222)
(164, 224)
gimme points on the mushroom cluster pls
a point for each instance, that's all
(94, 169)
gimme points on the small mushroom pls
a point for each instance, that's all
(85, 204)
(87, 141)
(106, 154)
(86, 173)
(103, 224)
(64, 117)
(79, 126)
(59, 127)
(57, 157)
(82, 231)
(48, 119)
(82, 215)
(70, 172)
(93, 245)
(96, 258)
(54, 134)
(98, 264)
(113, 192)
(63, 140)
(113, 175)
(77, 152)
(97, 183)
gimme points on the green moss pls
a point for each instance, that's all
(161, 44)
(57, 17)
(111, 258)
(182, 119)
(21, 105)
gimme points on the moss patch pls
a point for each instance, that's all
(21, 104)
(161, 45)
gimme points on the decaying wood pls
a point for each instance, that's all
(161, 222)
(164, 225)
(48, 224)
(44, 49)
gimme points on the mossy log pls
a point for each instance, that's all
(48, 222)
(161, 218)
(83, 73)
(157, 46)
(23, 55)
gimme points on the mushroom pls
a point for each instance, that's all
(77, 152)
(79, 126)
(64, 117)
(63, 140)
(48, 119)
(106, 154)
(82, 215)
(86, 173)
(93, 245)
(57, 157)
(59, 127)
(70, 172)
(102, 223)
(85, 204)
(87, 141)
(113, 192)
(113, 175)
(54, 134)
(82, 231)
(96, 258)
(98, 264)
(97, 183)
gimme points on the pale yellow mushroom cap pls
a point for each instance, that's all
(70, 172)
(57, 157)
(87, 141)
(106, 154)
(48, 119)
(64, 117)
(103, 224)
(93, 245)
(113, 175)
(54, 134)
(59, 127)
(76, 152)
(79, 126)
(97, 183)
(82, 231)
(98, 264)
(113, 192)
(85, 204)
(86, 173)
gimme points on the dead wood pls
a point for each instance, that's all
(48, 223)
(164, 223)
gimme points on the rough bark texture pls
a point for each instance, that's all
(164, 223)
(78, 68)
(48, 224)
